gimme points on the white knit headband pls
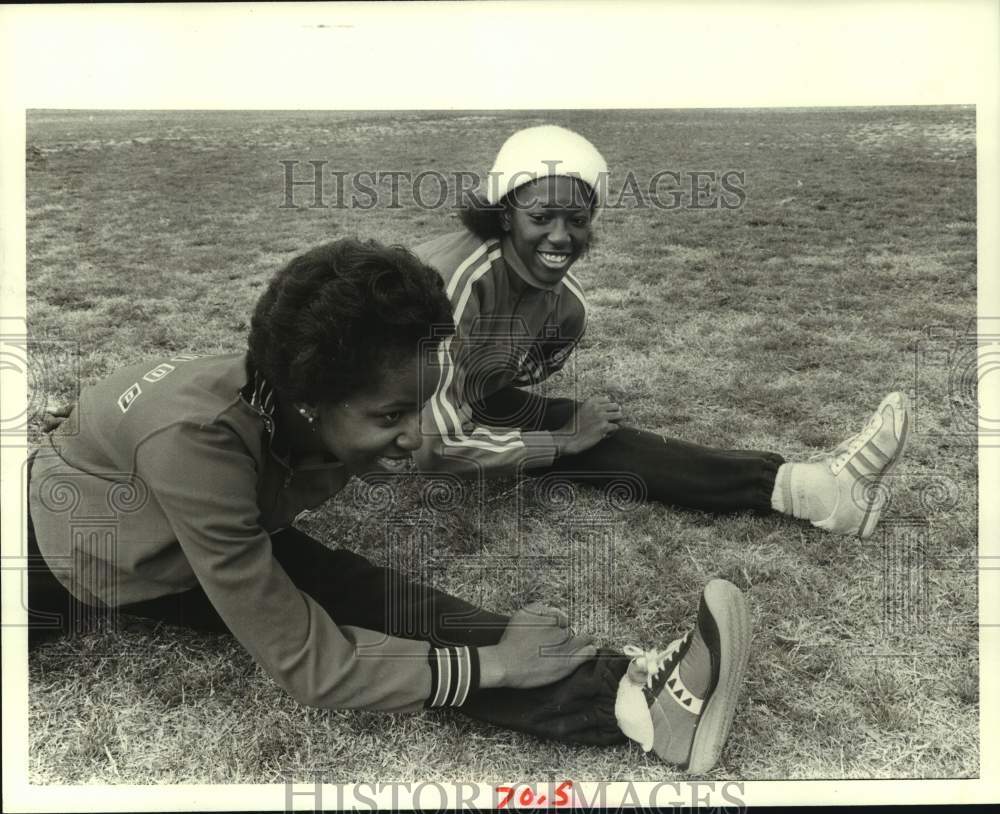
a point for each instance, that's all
(540, 152)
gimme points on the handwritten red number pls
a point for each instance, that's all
(527, 796)
(561, 797)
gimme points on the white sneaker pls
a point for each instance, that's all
(861, 462)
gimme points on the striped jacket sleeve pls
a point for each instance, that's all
(453, 441)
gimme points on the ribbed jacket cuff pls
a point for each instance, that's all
(454, 675)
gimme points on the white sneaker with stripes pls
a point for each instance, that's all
(860, 464)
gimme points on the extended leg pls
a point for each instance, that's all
(675, 472)
(842, 492)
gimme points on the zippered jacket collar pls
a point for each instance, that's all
(259, 395)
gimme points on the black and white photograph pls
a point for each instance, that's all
(518, 454)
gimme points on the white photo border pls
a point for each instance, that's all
(622, 55)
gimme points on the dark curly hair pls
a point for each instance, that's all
(481, 217)
(335, 317)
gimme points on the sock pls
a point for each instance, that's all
(781, 497)
(632, 713)
(805, 490)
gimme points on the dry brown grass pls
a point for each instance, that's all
(779, 325)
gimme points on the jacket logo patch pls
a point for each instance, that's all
(158, 373)
(125, 399)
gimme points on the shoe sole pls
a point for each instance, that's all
(729, 609)
(874, 511)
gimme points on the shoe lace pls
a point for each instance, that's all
(848, 448)
(652, 661)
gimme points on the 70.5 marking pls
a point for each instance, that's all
(527, 797)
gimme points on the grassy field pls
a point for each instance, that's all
(778, 325)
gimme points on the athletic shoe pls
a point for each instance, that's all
(691, 688)
(861, 462)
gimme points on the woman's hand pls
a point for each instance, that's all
(537, 648)
(595, 419)
(53, 418)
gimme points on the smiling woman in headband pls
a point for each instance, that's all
(520, 312)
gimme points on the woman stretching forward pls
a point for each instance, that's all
(196, 466)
